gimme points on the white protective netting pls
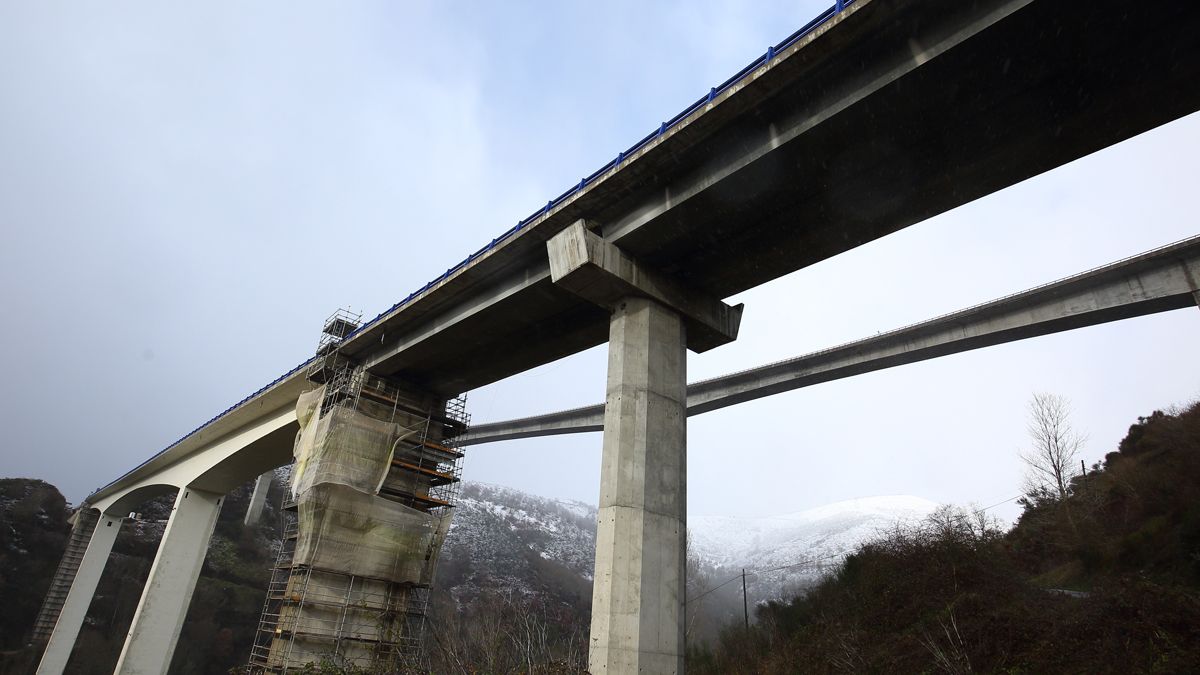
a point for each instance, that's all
(366, 535)
(342, 458)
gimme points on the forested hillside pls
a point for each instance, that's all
(1106, 580)
(33, 532)
(224, 610)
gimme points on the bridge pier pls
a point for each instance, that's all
(168, 592)
(638, 593)
(83, 588)
(258, 498)
(641, 528)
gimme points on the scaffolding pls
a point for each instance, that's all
(374, 482)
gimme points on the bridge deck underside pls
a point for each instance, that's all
(1043, 86)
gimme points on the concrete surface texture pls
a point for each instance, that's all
(637, 597)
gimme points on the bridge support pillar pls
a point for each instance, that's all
(168, 592)
(83, 588)
(638, 594)
(258, 498)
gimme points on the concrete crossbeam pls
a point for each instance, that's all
(83, 588)
(168, 592)
(637, 597)
(596, 270)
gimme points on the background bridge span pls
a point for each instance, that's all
(1160, 280)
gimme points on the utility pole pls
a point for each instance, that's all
(745, 605)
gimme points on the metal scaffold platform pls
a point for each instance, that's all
(375, 478)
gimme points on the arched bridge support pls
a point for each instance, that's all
(79, 597)
(206, 475)
(168, 591)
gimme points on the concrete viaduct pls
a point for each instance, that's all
(879, 115)
(1161, 280)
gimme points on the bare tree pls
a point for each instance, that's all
(1051, 462)
(507, 632)
(971, 524)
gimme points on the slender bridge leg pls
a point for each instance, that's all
(637, 597)
(168, 592)
(258, 498)
(83, 587)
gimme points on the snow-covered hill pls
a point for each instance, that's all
(792, 550)
(507, 539)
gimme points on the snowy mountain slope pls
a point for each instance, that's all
(507, 539)
(822, 535)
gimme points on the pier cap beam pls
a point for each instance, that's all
(585, 264)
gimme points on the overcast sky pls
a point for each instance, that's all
(186, 191)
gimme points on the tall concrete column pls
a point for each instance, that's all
(168, 592)
(83, 588)
(638, 594)
(258, 498)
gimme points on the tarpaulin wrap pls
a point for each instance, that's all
(307, 408)
(344, 526)
(366, 535)
(344, 447)
(307, 404)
